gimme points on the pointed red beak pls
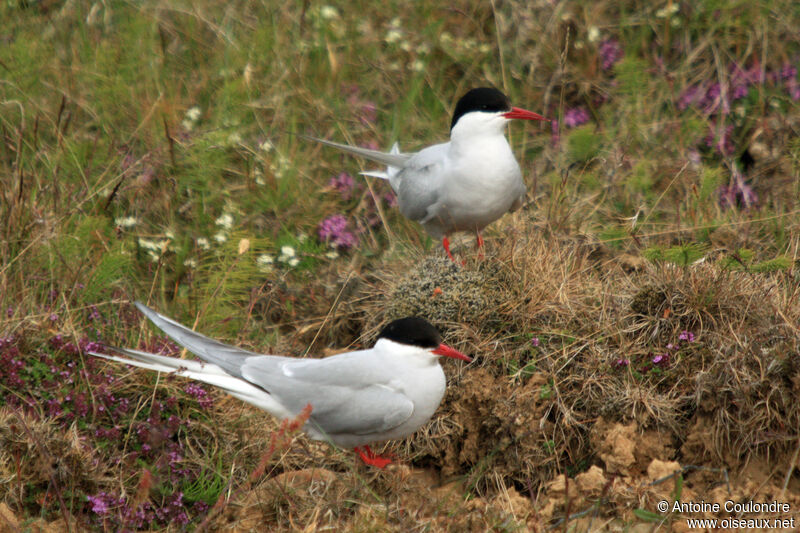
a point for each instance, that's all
(447, 351)
(524, 114)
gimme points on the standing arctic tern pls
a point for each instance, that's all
(461, 185)
(385, 392)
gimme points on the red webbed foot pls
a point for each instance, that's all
(371, 458)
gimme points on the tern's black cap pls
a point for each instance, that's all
(486, 99)
(412, 331)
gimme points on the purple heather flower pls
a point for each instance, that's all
(715, 100)
(333, 230)
(755, 74)
(390, 199)
(739, 91)
(343, 184)
(787, 72)
(660, 358)
(53, 317)
(687, 336)
(610, 52)
(535, 342)
(10, 312)
(575, 117)
(688, 97)
(622, 362)
(99, 503)
(200, 394)
(94, 314)
(793, 88)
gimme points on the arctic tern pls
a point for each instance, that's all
(385, 392)
(461, 185)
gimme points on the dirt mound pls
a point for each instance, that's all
(703, 362)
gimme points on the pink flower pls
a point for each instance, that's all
(333, 230)
(610, 52)
(575, 117)
(343, 184)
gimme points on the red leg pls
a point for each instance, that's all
(446, 244)
(479, 245)
(371, 458)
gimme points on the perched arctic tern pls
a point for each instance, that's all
(383, 393)
(461, 185)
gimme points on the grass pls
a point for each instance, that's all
(147, 152)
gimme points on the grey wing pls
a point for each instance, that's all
(223, 355)
(344, 396)
(418, 184)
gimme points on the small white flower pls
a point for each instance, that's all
(126, 222)
(191, 118)
(220, 237)
(266, 146)
(234, 138)
(294, 261)
(484, 48)
(667, 11)
(418, 65)
(225, 221)
(193, 113)
(169, 234)
(154, 257)
(147, 244)
(288, 251)
(302, 237)
(333, 254)
(594, 34)
(393, 36)
(279, 165)
(328, 12)
(265, 262)
(191, 263)
(202, 242)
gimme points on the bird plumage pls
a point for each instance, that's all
(381, 393)
(463, 184)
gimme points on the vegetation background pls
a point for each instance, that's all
(635, 325)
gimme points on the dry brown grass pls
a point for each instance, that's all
(523, 413)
